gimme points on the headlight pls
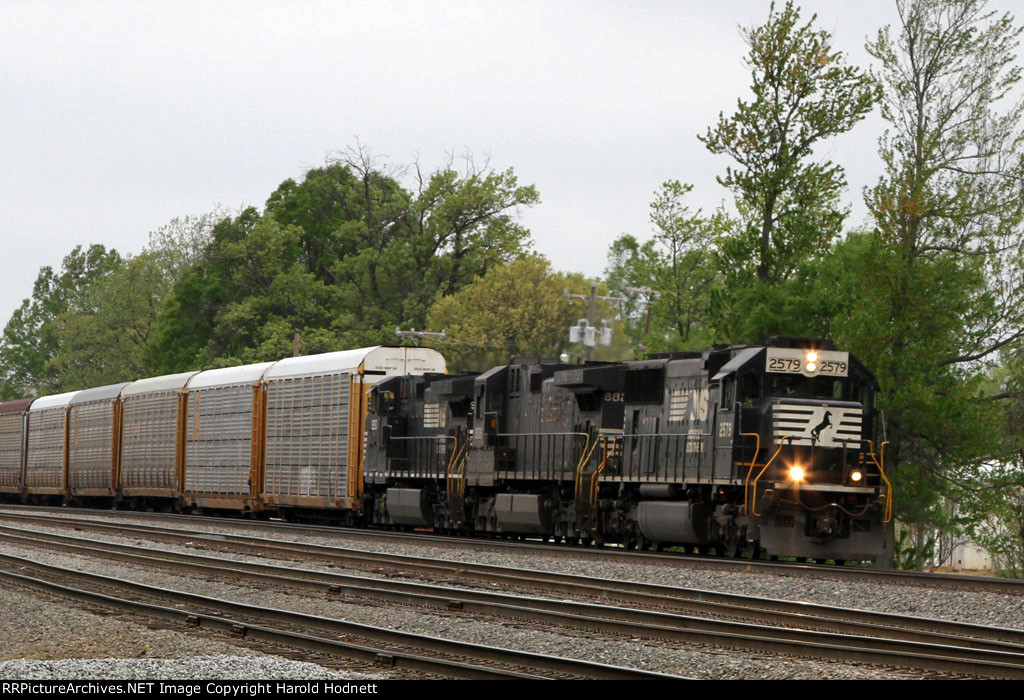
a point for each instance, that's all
(856, 475)
(811, 361)
(796, 473)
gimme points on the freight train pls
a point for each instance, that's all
(742, 450)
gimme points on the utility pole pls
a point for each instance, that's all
(650, 294)
(586, 330)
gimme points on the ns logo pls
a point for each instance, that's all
(825, 423)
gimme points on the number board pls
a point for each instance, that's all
(831, 363)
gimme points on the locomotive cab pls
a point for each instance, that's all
(813, 480)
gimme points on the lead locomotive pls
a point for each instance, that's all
(762, 449)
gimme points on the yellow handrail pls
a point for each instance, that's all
(448, 468)
(597, 472)
(753, 502)
(881, 470)
(750, 470)
(582, 464)
(453, 461)
(462, 472)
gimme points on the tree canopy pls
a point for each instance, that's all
(341, 258)
(788, 201)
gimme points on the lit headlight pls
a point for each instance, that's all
(856, 476)
(811, 361)
(796, 473)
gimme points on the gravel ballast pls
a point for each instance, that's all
(690, 660)
(186, 669)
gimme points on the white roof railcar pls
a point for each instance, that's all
(315, 414)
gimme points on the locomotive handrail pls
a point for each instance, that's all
(425, 438)
(582, 465)
(597, 472)
(750, 465)
(881, 470)
(458, 458)
(583, 453)
(461, 466)
(686, 450)
(753, 500)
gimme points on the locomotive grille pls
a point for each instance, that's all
(825, 426)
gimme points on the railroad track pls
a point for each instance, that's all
(786, 628)
(668, 559)
(381, 647)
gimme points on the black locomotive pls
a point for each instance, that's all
(767, 449)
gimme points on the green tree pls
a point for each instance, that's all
(993, 514)
(391, 250)
(940, 286)
(788, 202)
(341, 258)
(245, 300)
(103, 339)
(180, 244)
(32, 337)
(515, 309)
(668, 279)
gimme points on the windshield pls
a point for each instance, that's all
(800, 387)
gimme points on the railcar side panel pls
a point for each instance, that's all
(13, 427)
(219, 441)
(148, 444)
(307, 440)
(44, 467)
(91, 449)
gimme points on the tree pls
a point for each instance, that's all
(31, 338)
(993, 515)
(943, 290)
(675, 267)
(103, 339)
(515, 309)
(245, 300)
(788, 205)
(179, 245)
(342, 258)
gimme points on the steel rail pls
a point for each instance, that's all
(477, 652)
(838, 620)
(600, 618)
(792, 569)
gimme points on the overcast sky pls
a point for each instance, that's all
(119, 116)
